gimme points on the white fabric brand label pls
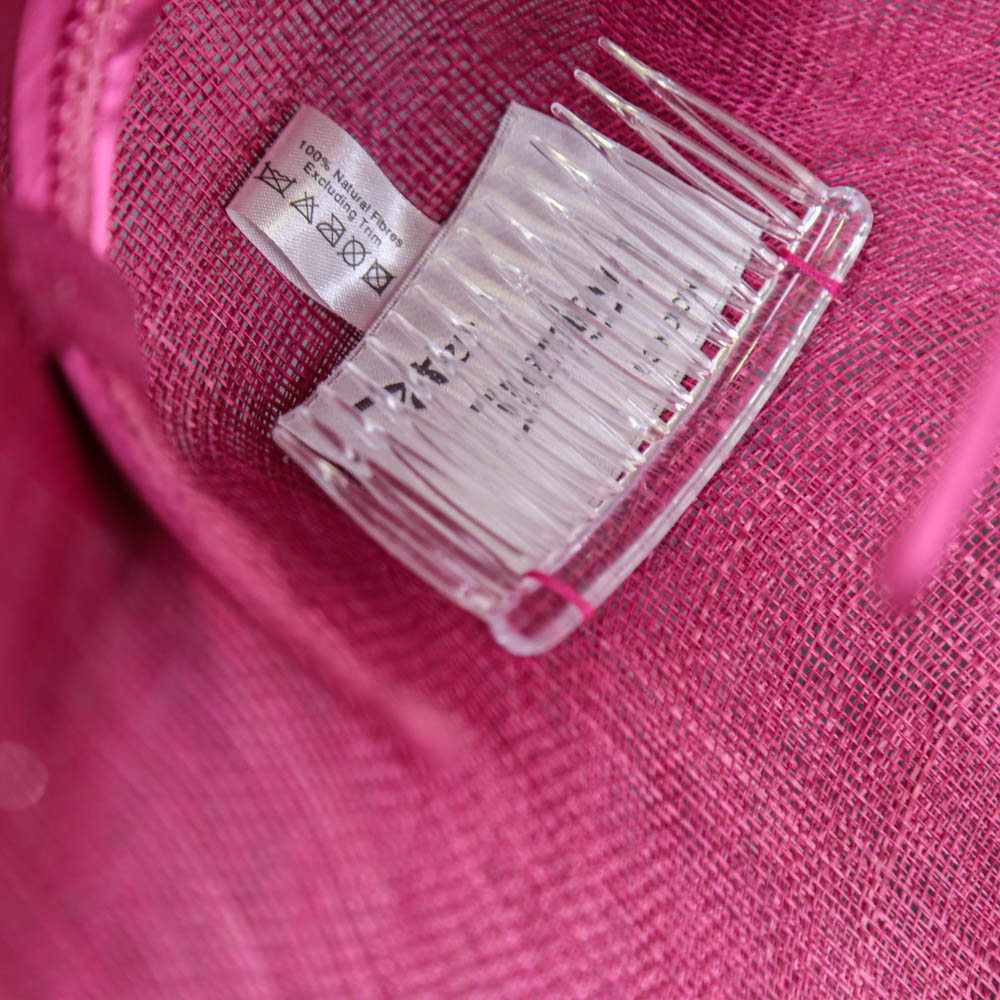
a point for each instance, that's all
(322, 212)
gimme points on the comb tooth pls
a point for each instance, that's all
(618, 376)
(514, 520)
(663, 138)
(506, 531)
(390, 509)
(665, 85)
(593, 188)
(538, 414)
(434, 518)
(592, 405)
(613, 371)
(551, 301)
(549, 478)
(394, 406)
(677, 218)
(735, 288)
(551, 256)
(606, 411)
(541, 297)
(654, 182)
(626, 336)
(694, 357)
(790, 188)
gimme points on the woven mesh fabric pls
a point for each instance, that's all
(746, 777)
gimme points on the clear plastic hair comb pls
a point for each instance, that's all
(577, 352)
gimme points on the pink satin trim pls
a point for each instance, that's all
(563, 590)
(41, 35)
(119, 75)
(802, 265)
(923, 541)
(41, 26)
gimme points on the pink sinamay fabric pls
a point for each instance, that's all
(244, 753)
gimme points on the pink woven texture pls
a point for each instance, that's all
(280, 766)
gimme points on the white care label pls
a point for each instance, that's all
(323, 213)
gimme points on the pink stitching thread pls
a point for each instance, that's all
(564, 590)
(830, 284)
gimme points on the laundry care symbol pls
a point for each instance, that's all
(305, 206)
(331, 231)
(353, 253)
(275, 179)
(377, 277)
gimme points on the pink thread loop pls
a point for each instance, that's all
(563, 590)
(800, 264)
